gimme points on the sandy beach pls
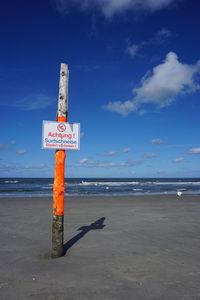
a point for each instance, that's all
(141, 247)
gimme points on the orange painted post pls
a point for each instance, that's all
(59, 173)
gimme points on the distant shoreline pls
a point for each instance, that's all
(97, 197)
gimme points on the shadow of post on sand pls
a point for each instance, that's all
(84, 230)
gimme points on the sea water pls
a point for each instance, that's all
(32, 187)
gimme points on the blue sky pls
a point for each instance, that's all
(134, 86)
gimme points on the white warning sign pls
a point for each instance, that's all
(60, 135)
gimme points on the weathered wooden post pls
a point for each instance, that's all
(59, 178)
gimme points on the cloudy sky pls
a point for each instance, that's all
(134, 86)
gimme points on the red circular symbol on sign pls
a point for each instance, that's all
(61, 127)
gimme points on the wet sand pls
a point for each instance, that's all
(142, 247)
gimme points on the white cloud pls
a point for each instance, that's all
(123, 108)
(83, 160)
(22, 151)
(126, 150)
(167, 81)
(164, 33)
(111, 7)
(89, 163)
(157, 141)
(194, 151)
(112, 153)
(4, 147)
(82, 134)
(151, 155)
(159, 38)
(40, 166)
(8, 167)
(33, 102)
(179, 159)
(161, 87)
(133, 49)
(106, 164)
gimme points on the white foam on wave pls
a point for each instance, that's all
(47, 187)
(107, 183)
(175, 183)
(11, 181)
(125, 183)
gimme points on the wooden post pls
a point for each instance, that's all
(59, 173)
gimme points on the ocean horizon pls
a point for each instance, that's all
(43, 187)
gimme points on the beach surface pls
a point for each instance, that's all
(141, 247)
